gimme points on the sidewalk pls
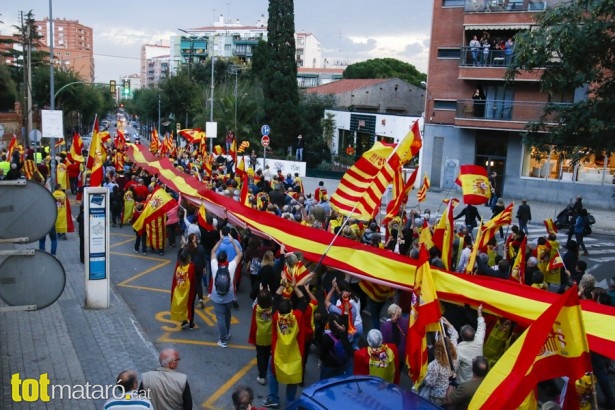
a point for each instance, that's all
(73, 345)
(605, 222)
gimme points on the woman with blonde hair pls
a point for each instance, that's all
(441, 368)
(267, 276)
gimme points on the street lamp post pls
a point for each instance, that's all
(158, 113)
(211, 110)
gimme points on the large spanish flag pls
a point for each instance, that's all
(96, 158)
(474, 184)
(520, 303)
(554, 345)
(424, 316)
(158, 204)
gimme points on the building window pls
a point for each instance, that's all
(453, 3)
(589, 169)
(449, 52)
(445, 105)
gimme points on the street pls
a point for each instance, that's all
(144, 282)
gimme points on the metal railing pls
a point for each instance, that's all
(479, 57)
(503, 110)
(509, 5)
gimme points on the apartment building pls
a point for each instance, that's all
(154, 63)
(472, 116)
(73, 45)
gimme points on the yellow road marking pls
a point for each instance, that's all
(165, 338)
(209, 403)
(147, 288)
(121, 243)
(145, 272)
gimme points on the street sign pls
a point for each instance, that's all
(265, 141)
(52, 123)
(265, 130)
(35, 136)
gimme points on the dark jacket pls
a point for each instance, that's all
(471, 215)
(524, 213)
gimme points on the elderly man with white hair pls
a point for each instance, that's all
(377, 359)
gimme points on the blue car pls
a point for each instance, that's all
(358, 393)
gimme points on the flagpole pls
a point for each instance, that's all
(449, 357)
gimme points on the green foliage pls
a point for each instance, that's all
(385, 68)
(311, 108)
(279, 78)
(573, 48)
(8, 90)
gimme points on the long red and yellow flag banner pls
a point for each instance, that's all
(517, 302)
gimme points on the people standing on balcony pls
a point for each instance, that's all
(508, 51)
(474, 49)
(479, 103)
(486, 50)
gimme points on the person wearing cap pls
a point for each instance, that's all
(300, 145)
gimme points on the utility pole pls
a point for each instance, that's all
(52, 103)
(29, 87)
(211, 110)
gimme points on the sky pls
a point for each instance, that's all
(352, 30)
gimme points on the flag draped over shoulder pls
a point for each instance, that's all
(474, 184)
(422, 194)
(159, 203)
(400, 194)
(553, 346)
(96, 158)
(424, 316)
(364, 183)
(494, 224)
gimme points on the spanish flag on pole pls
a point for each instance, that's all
(400, 194)
(517, 273)
(422, 194)
(424, 316)
(550, 225)
(553, 346)
(96, 157)
(202, 218)
(443, 233)
(474, 184)
(159, 203)
(12, 146)
(493, 225)
(76, 149)
(193, 136)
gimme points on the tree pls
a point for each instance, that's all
(385, 68)
(279, 78)
(573, 51)
(8, 90)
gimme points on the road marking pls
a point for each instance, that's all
(166, 338)
(146, 288)
(209, 403)
(163, 262)
(115, 245)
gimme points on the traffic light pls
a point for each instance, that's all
(127, 86)
(112, 87)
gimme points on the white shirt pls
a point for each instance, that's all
(133, 403)
(464, 259)
(468, 350)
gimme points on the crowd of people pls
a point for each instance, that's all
(299, 306)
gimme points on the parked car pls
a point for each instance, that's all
(358, 393)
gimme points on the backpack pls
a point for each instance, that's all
(222, 285)
(255, 266)
(338, 353)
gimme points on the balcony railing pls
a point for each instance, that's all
(509, 5)
(479, 57)
(503, 110)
